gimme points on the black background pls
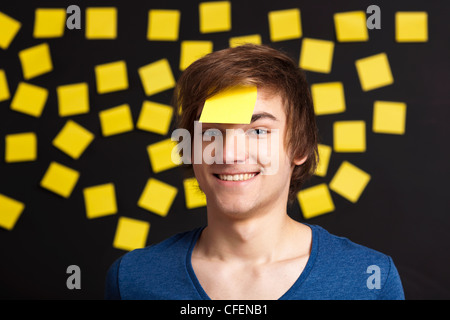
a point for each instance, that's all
(403, 212)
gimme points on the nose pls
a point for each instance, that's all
(235, 146)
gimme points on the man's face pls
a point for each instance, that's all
(242, 185)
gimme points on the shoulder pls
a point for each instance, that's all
(352, 270)
(169, 248)
(144, 273)
(343, 250)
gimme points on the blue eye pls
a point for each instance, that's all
(211, 132)
(258, 132)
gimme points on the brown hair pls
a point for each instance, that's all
(263, 67)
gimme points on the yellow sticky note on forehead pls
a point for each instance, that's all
(233, 105)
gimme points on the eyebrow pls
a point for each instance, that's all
(255, 117)
(263, 115)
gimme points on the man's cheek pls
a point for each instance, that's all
(269, 153)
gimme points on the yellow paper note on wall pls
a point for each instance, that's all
(73, 99)
(389, 117)
(36, 61)
(111, 76)
(101, 23)
(328, 98)
(4, 88)
(233, 105)
(155, 117)
(131, 234)
(192, 51)
(73, 139)
(116, 120)
(374, 72)
(160, 154)
(49, 22)
(29, 99)
(240, 40)
(60, 179)
(100, 200)
(349, 136)
(351, 26)
(315, 201)
(285, 25)
(10, 211)
(157, 197)
(156, 77)
(349, 181)
(163, 25)
(215, 16)
(194, 197)
(411, 26)
(324, 160)
(9, 28)
(316, 55)
(20, 147)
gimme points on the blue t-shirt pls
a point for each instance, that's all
(337, 269)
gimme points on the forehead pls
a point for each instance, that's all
(268, 102)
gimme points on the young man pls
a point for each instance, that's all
(251, 248)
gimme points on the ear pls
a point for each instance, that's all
(300, 161)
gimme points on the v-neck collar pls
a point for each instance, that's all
(286, 296)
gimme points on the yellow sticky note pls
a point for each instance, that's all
(328, 98)
(315, 201)
(192, 51)
(411, 26)
(29, 99)
(155, 117)
(161, 154)
(10, 211)
(73, 139)
(285, 25)
(157, 197)
(194, 197)
(116, 120)
(9, 28)
(163, 25)
(20, 147)
(131, 234)
(349, 136)
(73, 99)
(156, 77)
(251, 38)
(349, 181)
(101, 23)
(35, 61)
(60, 179)
(374, 72)
(4, 88)
(389, 117)
(316, 55)
(215, 16)
(351, 26)
(100, 200)
(233, 105)
(49, 22)
(111, 77)
(324, 160)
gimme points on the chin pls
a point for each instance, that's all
(237, 206)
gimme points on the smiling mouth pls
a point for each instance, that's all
(236, 177)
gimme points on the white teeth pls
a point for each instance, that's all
(236, 177)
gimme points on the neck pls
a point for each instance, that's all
(260, 239)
